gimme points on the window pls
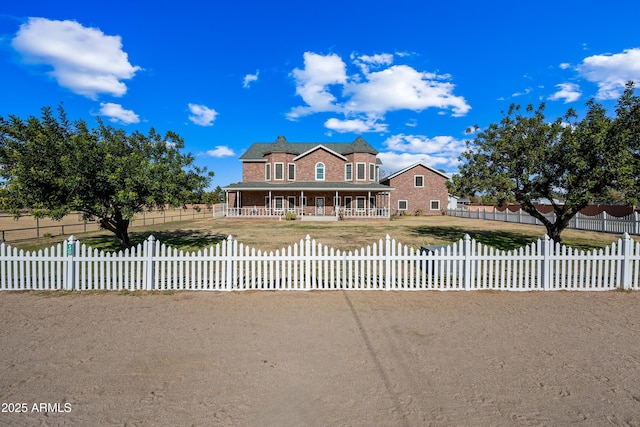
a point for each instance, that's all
(291, 171)
(278, 171)
(372, 202)
(347, 202)
(336, 201)
(267, 172)
(402, 205)
(361, 171)
(291, 202)
(278, 203)
(418, 181)
(372, 172)
(348, 172)
(267, 203)
(360, 203)
(435, 205)
(319, 171)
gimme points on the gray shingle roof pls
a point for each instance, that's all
(259, 150)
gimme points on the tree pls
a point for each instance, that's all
(53, 166)
(568, 161)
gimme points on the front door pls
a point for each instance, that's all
(319, 205)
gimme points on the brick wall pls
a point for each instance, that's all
(435, 188)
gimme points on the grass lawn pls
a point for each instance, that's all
(344, 235)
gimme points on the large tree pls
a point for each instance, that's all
(52, 166)
(569, 162)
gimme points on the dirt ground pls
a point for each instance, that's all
(321, 359)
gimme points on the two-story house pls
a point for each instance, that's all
(311, 179)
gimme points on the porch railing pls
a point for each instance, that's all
(261, 212)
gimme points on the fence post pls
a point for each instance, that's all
(70, 279)
(307, 263)
(635, 223)
(387, 263)
(229, 263)
(545, 273)
(604, 221)
(627, 245)
(149, 252)
(466, 264)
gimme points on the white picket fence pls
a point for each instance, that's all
(309, 265)
(602, 222)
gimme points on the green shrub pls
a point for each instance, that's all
(290, 216)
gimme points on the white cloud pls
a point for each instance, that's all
(202, 115)
(611, 72)
(525, 92)
(250, 78)
(221, 151)
(378, 59)
(401, 87)
(570, 92)
(355, 125)
(117, 114)
(366, 61)
(565, 65)
(325, 86)
(312, 83)
(440, 152)
(84, 60)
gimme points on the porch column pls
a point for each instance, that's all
(302, 206)
(226, 204)
(368, 203)
(389, 204)
(336, 208)
(239, 202)
(270, 205)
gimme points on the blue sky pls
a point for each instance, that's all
(408, 76)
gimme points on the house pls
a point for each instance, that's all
(329, 180)
(419, 190)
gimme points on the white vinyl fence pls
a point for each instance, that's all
(602, 222)
(309, 265)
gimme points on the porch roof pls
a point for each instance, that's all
(308, 186)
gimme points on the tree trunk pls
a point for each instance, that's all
(554, 229)
(119, 226)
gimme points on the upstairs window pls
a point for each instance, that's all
(361, 171)
(291, 172)
(319, 171)
(348, 172)
(372, 172)
(278, 171)
(418, 181)
(267, 172)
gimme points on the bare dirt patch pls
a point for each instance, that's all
(322, 358)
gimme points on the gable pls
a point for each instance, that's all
(422, 169)
(320, 147)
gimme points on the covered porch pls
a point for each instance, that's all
(339, 200)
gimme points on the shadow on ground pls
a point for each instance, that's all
(184, 239)
(504, 240)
